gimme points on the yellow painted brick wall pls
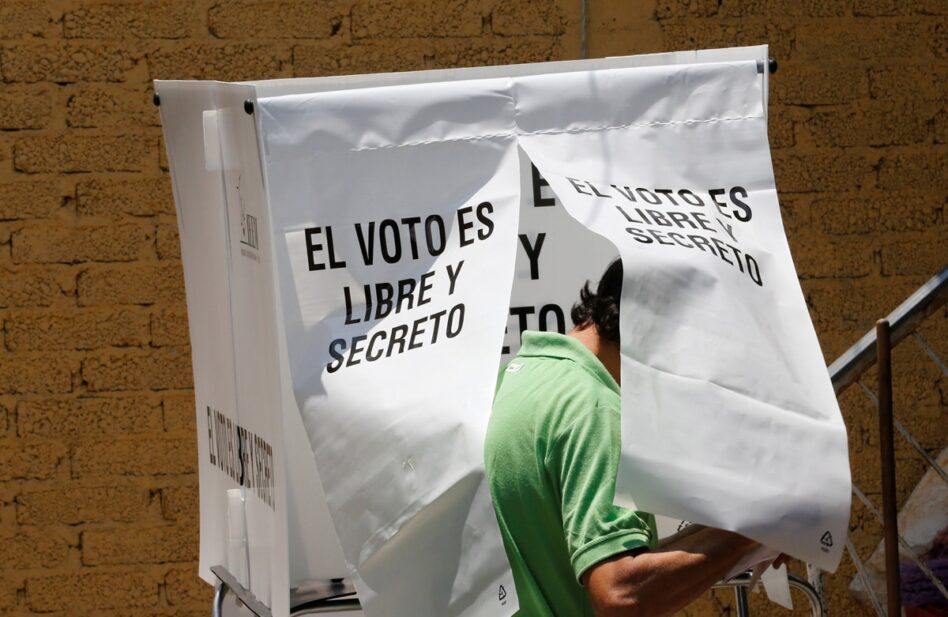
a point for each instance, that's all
(98, 505)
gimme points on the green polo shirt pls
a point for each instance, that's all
(551, 455)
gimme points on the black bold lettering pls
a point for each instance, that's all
(399, 333)
(366, 245)
(533, 253)
(557, 313)
(659, 237)
(721, 206)
(455, 321)
(668, 195)
(436, 318)
(210, 436)
(738, 255)
(659, 218)
(578, 185)
(355, 349)
(453, 273)
(416, 329)
(677, 237)
(628, 217)
(625, 192)
(722, 249)
(639, 235)
(483, 210)
(703, 221)
(594, 190)
(648, 196)
(410, 222)
(334, 262)
(424, 286)
(465, 225)
(539, 201)
(753, 270)
(311, 247)
(384, 292)
(335, 350)
(437, 237)
(690, 198)
(702, 243)
(391, 248)
(521, 313)
(347, 295)
(406, 290)
(680, 218)
(744, 213)
(372, 357)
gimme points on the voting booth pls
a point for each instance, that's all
(361, 255)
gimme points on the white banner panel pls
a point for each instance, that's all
(396, 238)
(232, 319)
(729, 417)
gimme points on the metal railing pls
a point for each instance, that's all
(875, 349)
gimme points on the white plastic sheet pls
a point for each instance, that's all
(395, 242)
(728, 415)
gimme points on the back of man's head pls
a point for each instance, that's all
(601, 308)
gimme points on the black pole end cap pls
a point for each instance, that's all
(772, 65)
(156, 100)
(248, 107)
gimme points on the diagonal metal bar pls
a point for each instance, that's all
(864, 577)
(931, 352)
(927, 299)
(908, 436)
(905, 545)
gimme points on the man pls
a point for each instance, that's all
(551, 454)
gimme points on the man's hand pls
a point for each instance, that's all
(659, 582)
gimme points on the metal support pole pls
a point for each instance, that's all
(814, 577)
(217, 609)
(887, 455)
(741, 594)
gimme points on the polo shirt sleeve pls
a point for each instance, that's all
(585, 457)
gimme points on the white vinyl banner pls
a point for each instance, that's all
(728, 415)
(395, 242)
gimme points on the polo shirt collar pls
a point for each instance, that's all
(555, 345)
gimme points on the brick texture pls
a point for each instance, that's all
(25, 108)
(118, 198)
(89, 416)
(163, 19)
(66, 62)
(110, 106)
(74, 244)
(293, 19)
(92, 589)
(82, 504)
(28, 199)
(175, 454)
(133, 545)
(82, 152)
(34, 548)
(25, 18)
(98, 457)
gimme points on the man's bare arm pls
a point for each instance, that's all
(659, 582)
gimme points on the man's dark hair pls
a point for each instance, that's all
(601, 308)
